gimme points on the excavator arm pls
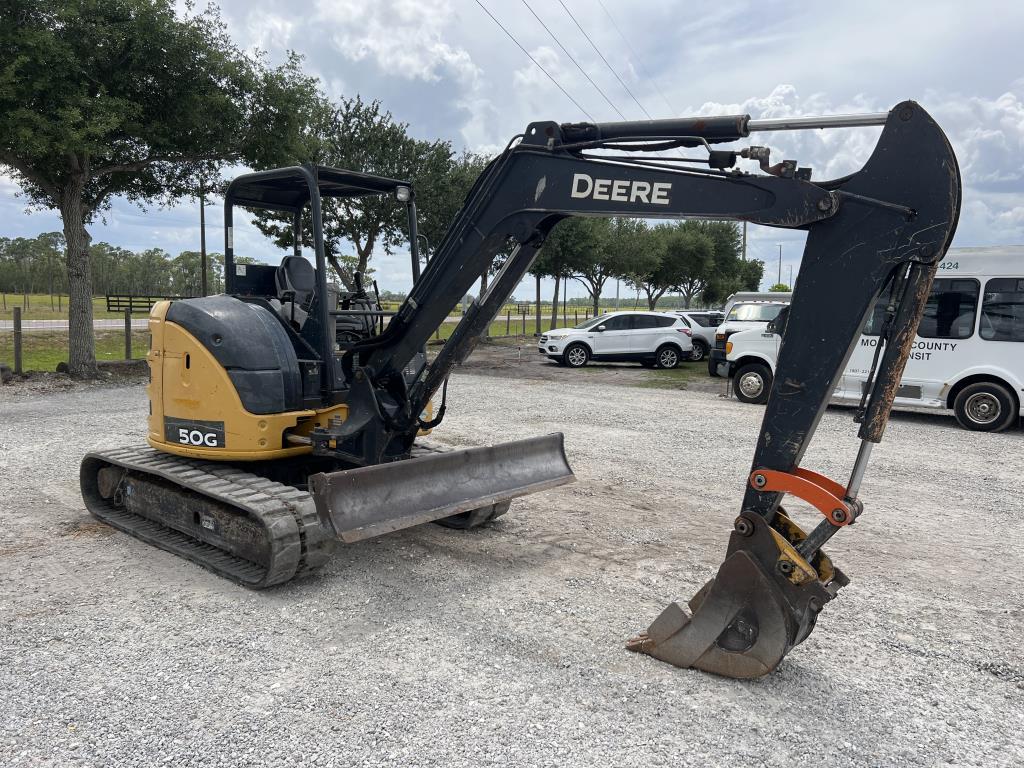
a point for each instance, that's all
(888, 224)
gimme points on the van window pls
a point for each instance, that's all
(951, 309)
(1002, 312)
(949, 314)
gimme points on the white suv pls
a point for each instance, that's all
(653, 339)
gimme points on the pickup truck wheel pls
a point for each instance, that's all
(576, 355)
(752, 383)
(700, 351)
(985, 407)
(667, 356)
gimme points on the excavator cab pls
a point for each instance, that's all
(327, 319)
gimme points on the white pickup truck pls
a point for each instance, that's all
(743, 312)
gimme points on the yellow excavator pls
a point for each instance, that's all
(284, 414)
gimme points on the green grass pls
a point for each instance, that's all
(673, 378)
(499, 329)
(42, 351)
(40, 307)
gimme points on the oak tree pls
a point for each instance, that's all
(127, 98)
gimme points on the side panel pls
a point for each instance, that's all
(191, 391)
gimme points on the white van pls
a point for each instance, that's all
(968, 355)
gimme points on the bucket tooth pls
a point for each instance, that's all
(742, 623)
(361, 503)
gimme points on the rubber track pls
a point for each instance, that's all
(298, 544)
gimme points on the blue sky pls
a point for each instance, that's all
(445, 67)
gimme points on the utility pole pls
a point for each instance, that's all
(537, 333)
(202, 237)
(565, 300)
(617, 283)
(791, 277)
(744, 241)
(780, 263)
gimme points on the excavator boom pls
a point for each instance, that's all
(886, 225)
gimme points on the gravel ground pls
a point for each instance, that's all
(504, 646)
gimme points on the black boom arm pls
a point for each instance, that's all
(888, 224)
(900, 209)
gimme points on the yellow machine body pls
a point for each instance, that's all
(188, 385)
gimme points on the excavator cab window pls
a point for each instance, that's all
(298, 290)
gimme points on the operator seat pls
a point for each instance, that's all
(296, 283)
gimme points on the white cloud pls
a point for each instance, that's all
(402, 37)
(267, 31)
(447, 69)
(530, 76)
(988, 135)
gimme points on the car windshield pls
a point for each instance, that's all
(591, 322)
(756, 313)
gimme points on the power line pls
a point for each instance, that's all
(566, 52)
(552, 79)
(610, 68)
(640, 63)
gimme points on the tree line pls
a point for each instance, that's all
(35, 265)
(141, 100)
(699, 260)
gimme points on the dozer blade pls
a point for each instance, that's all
(370, 501)
(763, 602)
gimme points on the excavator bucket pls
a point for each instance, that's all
(764, 601)
(370, 501)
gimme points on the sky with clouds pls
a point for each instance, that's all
(448, 69)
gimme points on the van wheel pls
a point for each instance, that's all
(985, 407)
(752, 383)
(576, 355)
(700, 351)
(713, 368)
(667, 356)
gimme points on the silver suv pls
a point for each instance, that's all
(653, 339)
(702, 324)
